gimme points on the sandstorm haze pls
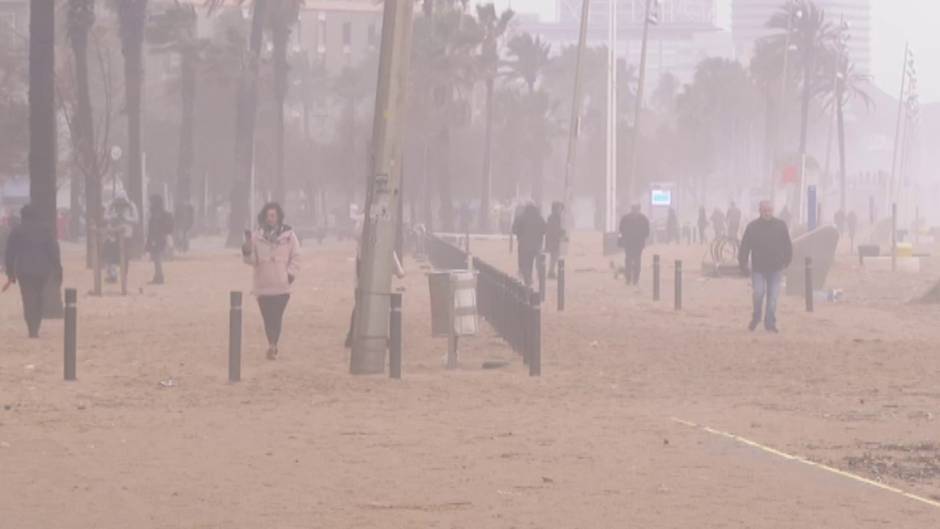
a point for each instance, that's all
(452, 263)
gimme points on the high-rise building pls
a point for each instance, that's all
(686, 32)
(749, 24)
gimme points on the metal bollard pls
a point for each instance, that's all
(656, 273)
(71, 332)
(678, 285)
(540, 267)
(561, 285)
(809, 284)
(235, 337)
(394, 346)
(535, 341)
(122, 245)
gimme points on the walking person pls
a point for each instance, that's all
(767, 248)
(734, 221)
(273, 250)
(718, 224)
(702, 225)
(159, 229)
(634, 231)
(852, 223)
(32, 259)
(529, 229)
(672, 227)
(554, 236)
(121, 218)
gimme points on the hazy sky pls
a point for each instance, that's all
(894, 22)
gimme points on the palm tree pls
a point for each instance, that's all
(806, 28)
(42, 128)
(174, 31)
(132, 20)
(528, 61)
(282, 18)
(245, 116)
(81, 18)
(849, 84)
(493, 27)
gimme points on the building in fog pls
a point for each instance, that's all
(749, 23)
(686, 34)
(340, 33)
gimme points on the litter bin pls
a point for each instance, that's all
(453, 303)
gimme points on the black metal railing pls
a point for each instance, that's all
(511, 308)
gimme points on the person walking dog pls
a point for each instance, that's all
(273, 250)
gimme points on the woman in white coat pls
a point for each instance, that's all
(273, 250)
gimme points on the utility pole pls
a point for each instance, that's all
(610, 209)
(638, 109)
(892, 193)
(371, 321)
(574, 130)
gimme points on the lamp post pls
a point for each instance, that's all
(649, 17)
(788, 47)
(610, 193)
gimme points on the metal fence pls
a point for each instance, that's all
(512, 308)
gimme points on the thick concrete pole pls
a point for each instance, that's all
(371, 325)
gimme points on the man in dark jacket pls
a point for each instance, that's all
(32, 259)
(554, 236)
(634, 231)
(734, 221)
(161, 226)
(529, 229)
(767, 247)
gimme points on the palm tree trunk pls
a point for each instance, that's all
(184, 172)
(247, 105)
(280, 36)
(42, 119)
(81, 15)
(133, 18)
(42, 130)
(446, 187)
(840, 123)
(804, 113)
(487, 161)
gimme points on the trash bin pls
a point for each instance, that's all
(453, 302)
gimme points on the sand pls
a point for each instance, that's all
(593, 443)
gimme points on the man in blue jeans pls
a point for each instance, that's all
(766, 246)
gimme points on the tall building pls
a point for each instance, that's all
(749, 24)
(687, 33)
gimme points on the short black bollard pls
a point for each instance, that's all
(656, 272)
(535, 342)
(235, 338)
(71, 331)
(561, 285)
(540, 267)
(678, 285)
(809, 284)
(394, 346)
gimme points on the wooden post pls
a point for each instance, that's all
(561, 285)
(678, 285)
(71, 332)
(809, 284)
(540, 268)
(656, 273)
(235, 337)
(395, 341)
(535, 333)
(122, 245)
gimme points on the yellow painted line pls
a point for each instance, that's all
(790, 457)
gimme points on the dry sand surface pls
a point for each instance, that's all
(593, 443)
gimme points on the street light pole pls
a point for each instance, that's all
(611, 183)
(574, 130)
(638, 105)
(371, 320)
(892, 194)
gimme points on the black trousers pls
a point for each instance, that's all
(633, 263)
(526, 263)
(272, 311)
(31, 288)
